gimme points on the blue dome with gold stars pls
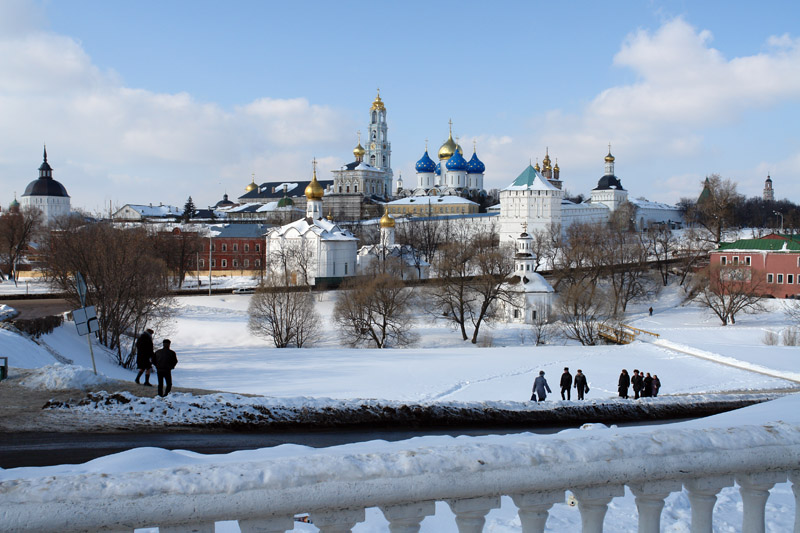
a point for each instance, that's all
(425, 164)
(439, 169)
(456, 162)
(475, 165)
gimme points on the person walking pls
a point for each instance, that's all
(656, 385)
(651, 311)
(566, 383)
(165, 360)
(637, 382)
(539, 387)
(144, 356)
(580, 384)
(623, 384)
(647, 391)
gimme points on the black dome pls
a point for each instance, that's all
(609, 181)
(45, 187)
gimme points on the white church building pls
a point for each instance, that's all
(325, 249)
(531, 296)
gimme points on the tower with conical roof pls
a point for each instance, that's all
(46, 194)
(769, 193)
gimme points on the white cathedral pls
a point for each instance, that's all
(47, 194)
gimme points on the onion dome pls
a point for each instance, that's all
(546, 160)
(377, 105)
(386, 221)
(252, 186)
(768, 180)
(439, 169)
(449, 147)
(456, 162)
(556, 167)
(14, 205)
(285, 202)
(425, 164)
(330, 216)
(359, 152)
(224, 202)
(475, 165)
(536, 166)
(609, 157)
(314, 189)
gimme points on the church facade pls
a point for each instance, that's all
(47, 195)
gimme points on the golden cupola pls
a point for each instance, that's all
(449, 147)
(359, 151)
(377, 104)
(314, 189)
(386, 221)
(609, 157)
(536, 167)
(252, 185)
(546, 160)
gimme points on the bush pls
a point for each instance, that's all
(37, 327)
(770, 338)
(791, 337)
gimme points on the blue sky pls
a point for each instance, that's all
(144, 102)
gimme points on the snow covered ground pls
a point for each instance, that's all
(216, 351)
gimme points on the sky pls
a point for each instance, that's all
(148, 102)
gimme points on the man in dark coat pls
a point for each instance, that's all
(566, 383)
(144, 356)
(647, 391)
(637, 382)
(165, 360)
(580, 384)
(656, 384)
(624, 383)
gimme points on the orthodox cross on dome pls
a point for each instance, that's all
(314, 165)
(451, 126)
(426, 144)
(525, 227)
(359, 136)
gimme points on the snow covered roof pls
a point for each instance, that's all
(530, 180)
(425, 200)
(356, 165)
(261, 208)
(529, 283)
(227, 231)
(647, 204)
(155, 210)
(325, 229)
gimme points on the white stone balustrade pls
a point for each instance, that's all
(405, 484)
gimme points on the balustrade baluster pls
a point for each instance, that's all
(471, 513)
(593, 504)
(650, 498)
(340, 521)
(272, 524)
(754, 489)
(703, 496)
(794, 477)
(534, 508)
(202, 527)
(407, 517)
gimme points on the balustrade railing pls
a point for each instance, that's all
(405, 482)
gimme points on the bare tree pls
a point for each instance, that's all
(730, 289)
(286, 317)
(624, 266)
(582, 308)
(542, 329)
(492, 265)
(662, 246)
(17, 229)
(715, 208)
(692, 251)
(375, 311)
(292, 261)
(178, 249)
(126, 282)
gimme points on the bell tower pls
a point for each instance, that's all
(379, 149)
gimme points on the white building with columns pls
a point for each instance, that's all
(531, 296)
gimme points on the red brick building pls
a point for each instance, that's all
(236, 249)
(774, 261)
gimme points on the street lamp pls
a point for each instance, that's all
(780, 215)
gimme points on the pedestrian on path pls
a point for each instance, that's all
(623, 384)
(637, 381)
(651, 311)
(144, 356)
(539, 387)
(566, 383)
(580, 384)
(647, 391)
(165, 360)
(656, 385)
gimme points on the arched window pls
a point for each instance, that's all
(374, 116)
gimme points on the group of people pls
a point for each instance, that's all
(164, 360)
(644, 385)
(541, 388)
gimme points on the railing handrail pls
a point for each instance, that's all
(290, 485)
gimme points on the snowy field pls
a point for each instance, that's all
(693, 355)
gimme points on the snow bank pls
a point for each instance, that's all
(7, 312)
(58, 377)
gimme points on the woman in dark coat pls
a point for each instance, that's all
(624, 383)
(656, 384)
(648, 386)
(144, 356)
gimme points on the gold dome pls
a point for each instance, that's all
(252, 186)
(314, 189)
(386, 221)
(377, 105)
(536, 166)
(359, 151)
(609, 157)
(546, 160)
(556, 167)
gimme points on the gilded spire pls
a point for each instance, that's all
(377, 105)
(314, 189)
